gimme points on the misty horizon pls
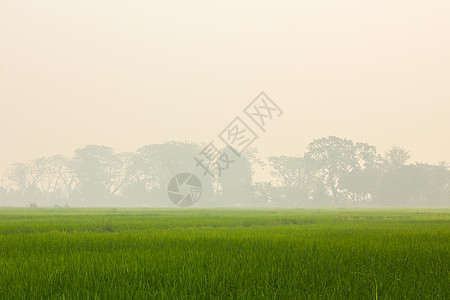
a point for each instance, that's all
(130, 74)
(331, 172)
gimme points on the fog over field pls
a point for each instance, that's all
(224, 149)
(206, 103)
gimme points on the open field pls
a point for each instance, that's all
(230, 253)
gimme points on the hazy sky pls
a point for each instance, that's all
(130, 73)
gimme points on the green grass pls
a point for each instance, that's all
(211, 253)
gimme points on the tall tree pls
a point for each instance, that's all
(68, 177)
(156, 165)
(100, 171)
(396, 157)
(337, 157)
(295, 175)
(361, 183)
(235, 182)
(26, 177)
(414, 184)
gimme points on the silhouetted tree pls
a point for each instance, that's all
(101, 173)
(264, 192)
(413, 184)
(336, 157)
(361, 184)
(332, 170)
(156, 164)
(235, 183)
(395, 158)
(26, 176)
(296, 176)
(68, 177)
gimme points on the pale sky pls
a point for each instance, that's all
(130, 73)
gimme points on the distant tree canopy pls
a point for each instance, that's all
(333, 171)
(336, 158)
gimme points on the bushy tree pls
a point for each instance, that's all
(336, 158)
(100, 171)
(296, 176)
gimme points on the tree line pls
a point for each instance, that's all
(332, 171)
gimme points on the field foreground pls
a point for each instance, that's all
(229, 253)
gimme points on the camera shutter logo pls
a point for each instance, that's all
(184, 189)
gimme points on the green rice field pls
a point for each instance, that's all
(224, 253)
